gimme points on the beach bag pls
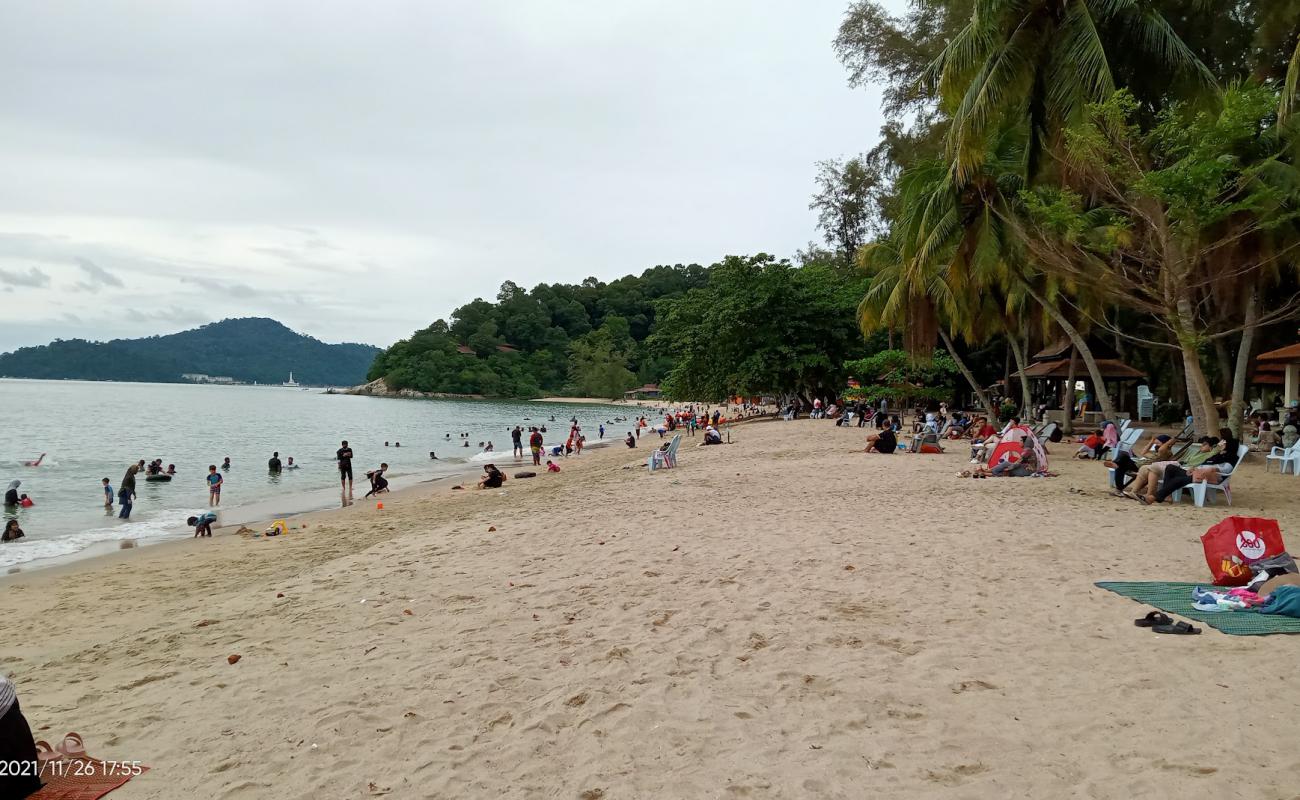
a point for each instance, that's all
(1234, 545)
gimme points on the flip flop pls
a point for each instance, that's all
(1180, 628)
(1154, 618)
(72, 746)
(46, 753)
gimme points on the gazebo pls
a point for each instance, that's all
(1051, 366)
(1280, 366)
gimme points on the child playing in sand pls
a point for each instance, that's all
(551, 466)
(202, 524)
(214, 485)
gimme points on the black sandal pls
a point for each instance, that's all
(1180, 628)
(1153, 619)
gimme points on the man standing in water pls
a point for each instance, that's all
(517, 436)
(344, 456)
(274, 464)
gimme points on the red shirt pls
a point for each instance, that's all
(987, 431)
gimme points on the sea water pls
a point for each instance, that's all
(95, 430)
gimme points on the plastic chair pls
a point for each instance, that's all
(1200, 490)
(1283, 456)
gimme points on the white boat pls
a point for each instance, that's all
(290, 382)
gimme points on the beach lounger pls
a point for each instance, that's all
(1283, 456)
(1202, 489)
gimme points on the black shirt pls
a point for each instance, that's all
(273, 464)
(887, 442)
(344, 455)
(517, 435)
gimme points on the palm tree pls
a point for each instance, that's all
(1042, 62)
(950, 248)
(1291, 88)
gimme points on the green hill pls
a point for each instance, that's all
(252, 349)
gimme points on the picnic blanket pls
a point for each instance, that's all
(1176, 598)
(81, 777)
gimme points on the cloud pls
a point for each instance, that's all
(173, 314)
(96, 276)
(33, 277)
(241, 291)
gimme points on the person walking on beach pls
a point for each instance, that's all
(517, 436)
(535, 445)
(273, 465)
(214, 485)
(344, 456)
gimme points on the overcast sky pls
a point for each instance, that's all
(357, 170)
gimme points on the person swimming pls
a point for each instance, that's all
(35, 463)
(226, 464)
(290, 464)
(12, 532)
(433, 456)
(11, 494)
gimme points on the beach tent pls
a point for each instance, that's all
(1013, 444)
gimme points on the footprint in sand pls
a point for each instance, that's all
(966, 686)
(954, 776)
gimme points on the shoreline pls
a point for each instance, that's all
(487, 643)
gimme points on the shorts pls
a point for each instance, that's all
(345, 473)
(537, 449)
(214, 489)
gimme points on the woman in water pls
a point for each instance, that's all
(12, 531)
(11, 494)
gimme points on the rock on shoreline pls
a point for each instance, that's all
(379, 388)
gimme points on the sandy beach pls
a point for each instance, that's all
(783, 617)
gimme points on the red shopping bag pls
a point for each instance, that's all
(1237, 542)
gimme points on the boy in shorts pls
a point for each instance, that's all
(214, 485)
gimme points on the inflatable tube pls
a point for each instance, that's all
(158, 478)
(525, 474)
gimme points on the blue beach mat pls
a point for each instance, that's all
(1176, 598)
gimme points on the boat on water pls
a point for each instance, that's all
(291, 382)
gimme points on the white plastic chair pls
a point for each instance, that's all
(1201, 489)
(1283, 456)
(667, 459)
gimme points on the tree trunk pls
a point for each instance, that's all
(1205, 416)
(890, 330)
(1225, 367)
(1067, 397)
(1018, 350)
(966, 373)
(1098, 383)
(1238, 406)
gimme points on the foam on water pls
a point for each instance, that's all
(27, 550)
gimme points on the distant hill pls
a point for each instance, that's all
(252, 349)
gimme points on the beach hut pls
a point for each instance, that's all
(1284, 360)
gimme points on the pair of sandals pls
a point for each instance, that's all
(1160, 622)
(72, 747)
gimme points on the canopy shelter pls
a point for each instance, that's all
(1286, 362)
(1121, 379)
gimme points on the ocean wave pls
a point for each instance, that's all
(27, 550)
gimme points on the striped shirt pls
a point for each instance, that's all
(7, 695)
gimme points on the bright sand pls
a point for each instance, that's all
(778, 618)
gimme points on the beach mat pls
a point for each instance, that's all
(91, 781)
(1176, 598)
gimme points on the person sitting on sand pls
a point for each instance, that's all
(1027, 465)
(202, 524)
(1090, 446)
(12, 532)
(630, 441)
(711, 436)
(551, 466)
(883, 441)
(492, 477)
(21, 776)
